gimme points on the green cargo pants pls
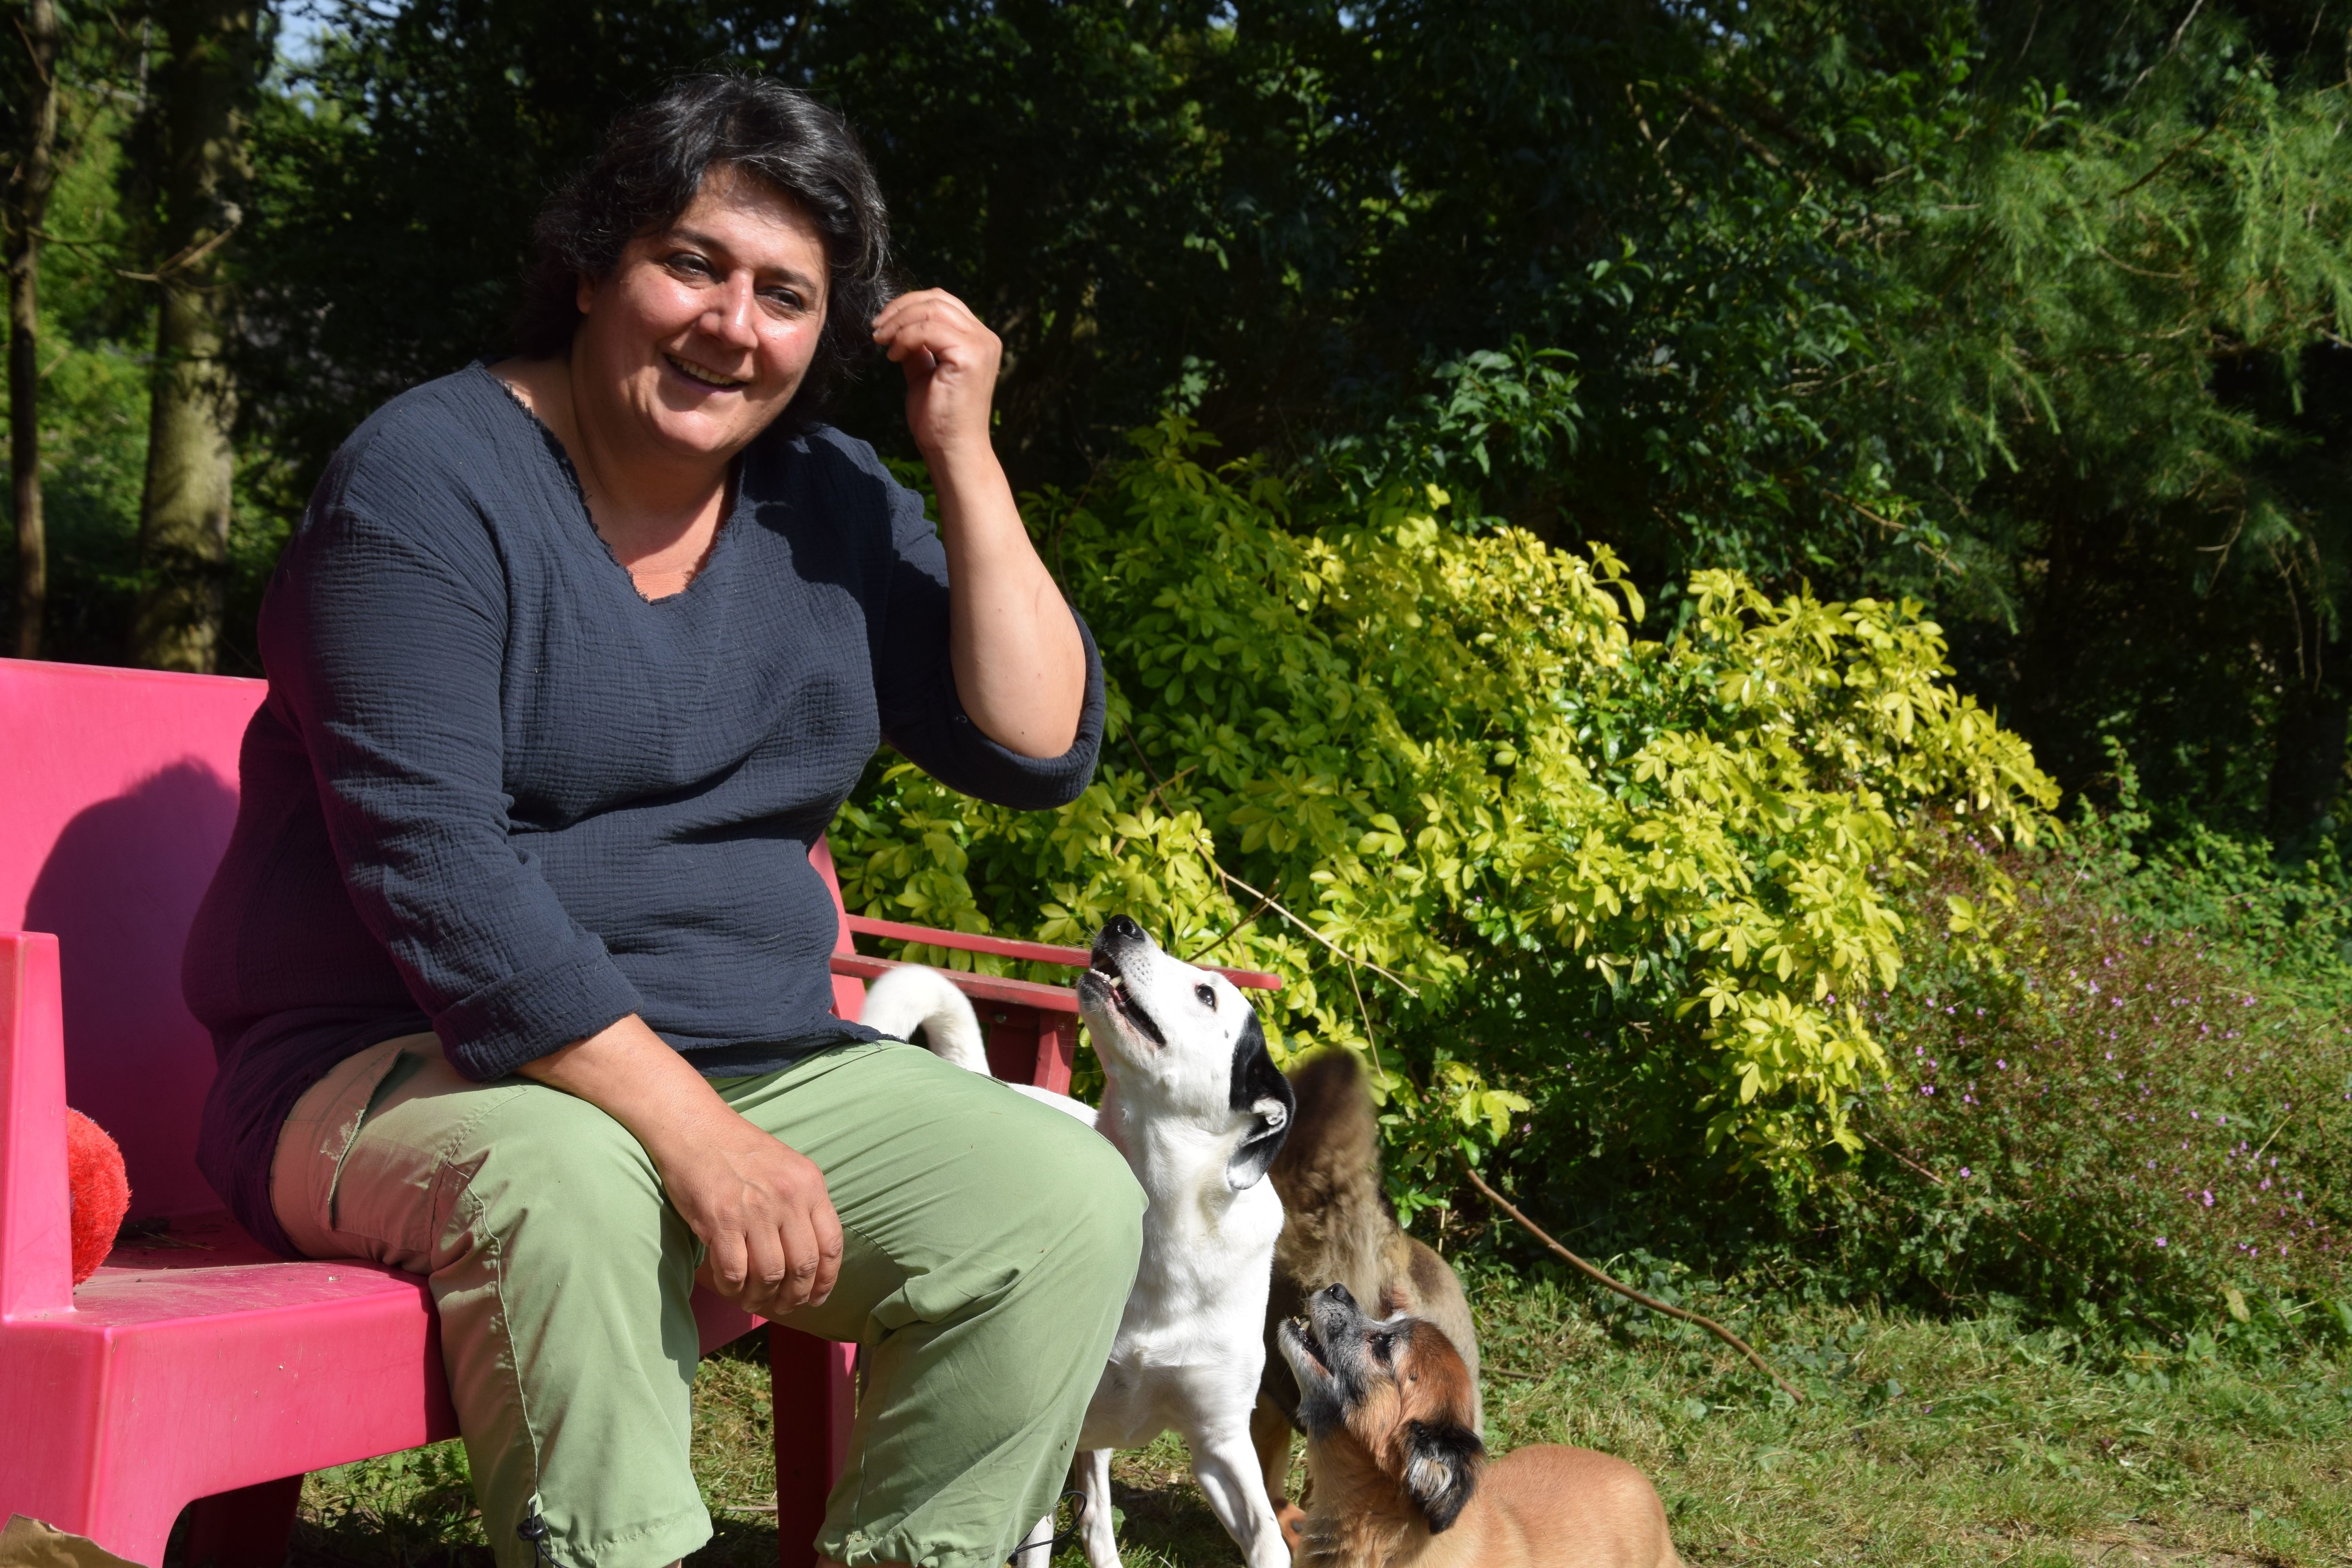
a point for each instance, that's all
(989, 1246)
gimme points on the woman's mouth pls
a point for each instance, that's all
(704, 376)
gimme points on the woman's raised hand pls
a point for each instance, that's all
(951, 361)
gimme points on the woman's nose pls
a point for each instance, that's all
(730, 318)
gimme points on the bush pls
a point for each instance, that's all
(2125, 1118)
(1423, 769)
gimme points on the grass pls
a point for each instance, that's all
(1922, 1442)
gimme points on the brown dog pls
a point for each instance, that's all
(1338, 1227)
(1400, 1477)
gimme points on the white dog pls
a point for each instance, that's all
(1192, 1100)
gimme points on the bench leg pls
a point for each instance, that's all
(248, 1528)
(815, 1395)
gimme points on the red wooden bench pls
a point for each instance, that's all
(195, 1367)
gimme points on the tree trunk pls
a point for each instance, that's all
(28, 205)
(212, 48)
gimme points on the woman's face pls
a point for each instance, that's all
(706, 329)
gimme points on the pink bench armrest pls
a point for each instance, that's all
(36, 1206)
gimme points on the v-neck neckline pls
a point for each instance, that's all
(555, 448)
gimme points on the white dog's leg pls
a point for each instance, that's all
(1093, 1467)
(1036, 1548)
(1227, 1468)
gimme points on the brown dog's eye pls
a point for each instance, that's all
(1208, 997)
(1381, 1347)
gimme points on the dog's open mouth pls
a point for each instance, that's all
(1102, 967)
(1298, 1333)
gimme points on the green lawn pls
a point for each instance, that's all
(1926, 1443)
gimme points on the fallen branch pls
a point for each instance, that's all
(1597, 1277)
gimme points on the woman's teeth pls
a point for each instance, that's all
(707, 377)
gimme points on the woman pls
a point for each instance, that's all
(517, 965)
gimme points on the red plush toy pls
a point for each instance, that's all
(101, 1192)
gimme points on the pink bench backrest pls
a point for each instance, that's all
(118, 789)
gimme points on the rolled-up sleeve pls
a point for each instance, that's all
(388, 656)
(914, 683)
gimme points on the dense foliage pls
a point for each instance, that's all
(2035, 314)
(1400, 762)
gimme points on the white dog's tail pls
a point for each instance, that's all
(911, 998)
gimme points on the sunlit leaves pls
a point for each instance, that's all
(1436, 747)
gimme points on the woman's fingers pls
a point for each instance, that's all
(931, 321)
(797, 1237)
(828, 1226)
(924, 303)
(809, 1236)
(729, 1263)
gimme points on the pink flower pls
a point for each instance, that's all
(2160, 1241)
(1964, 1172)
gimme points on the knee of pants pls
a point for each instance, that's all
(1083, 1194)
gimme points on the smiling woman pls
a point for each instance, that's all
(517, 964)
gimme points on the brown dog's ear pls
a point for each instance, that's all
(1441, 1469)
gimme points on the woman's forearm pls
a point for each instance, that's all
(1020, 667)
(633, 1076)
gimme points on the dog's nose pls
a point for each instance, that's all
(1338, 1294)
(1119, 927)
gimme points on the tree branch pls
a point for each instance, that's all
(1597, 1277)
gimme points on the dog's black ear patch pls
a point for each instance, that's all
(1442, 1469)
(1267, 1095)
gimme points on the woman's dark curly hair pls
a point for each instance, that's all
(653, 161)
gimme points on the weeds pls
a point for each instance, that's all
(2116, 1123)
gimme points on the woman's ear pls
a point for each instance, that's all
(1441, 1469)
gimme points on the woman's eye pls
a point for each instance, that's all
(1208, 997)
(688, 262)
(782, 300)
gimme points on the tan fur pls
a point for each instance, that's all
(1338, 1228)
(1545, 1507)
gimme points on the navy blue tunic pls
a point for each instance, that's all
(495, 792)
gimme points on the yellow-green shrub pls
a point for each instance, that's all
(1445, 751)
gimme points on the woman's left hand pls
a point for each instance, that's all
(951, 361)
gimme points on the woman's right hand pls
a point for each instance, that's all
(761, 1208)
(758, 1204)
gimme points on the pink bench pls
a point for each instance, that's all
(196, 1367)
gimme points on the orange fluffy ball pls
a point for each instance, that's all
(101, 1192)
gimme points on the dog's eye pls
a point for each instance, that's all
(1381, 1348)
(1208, 997)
